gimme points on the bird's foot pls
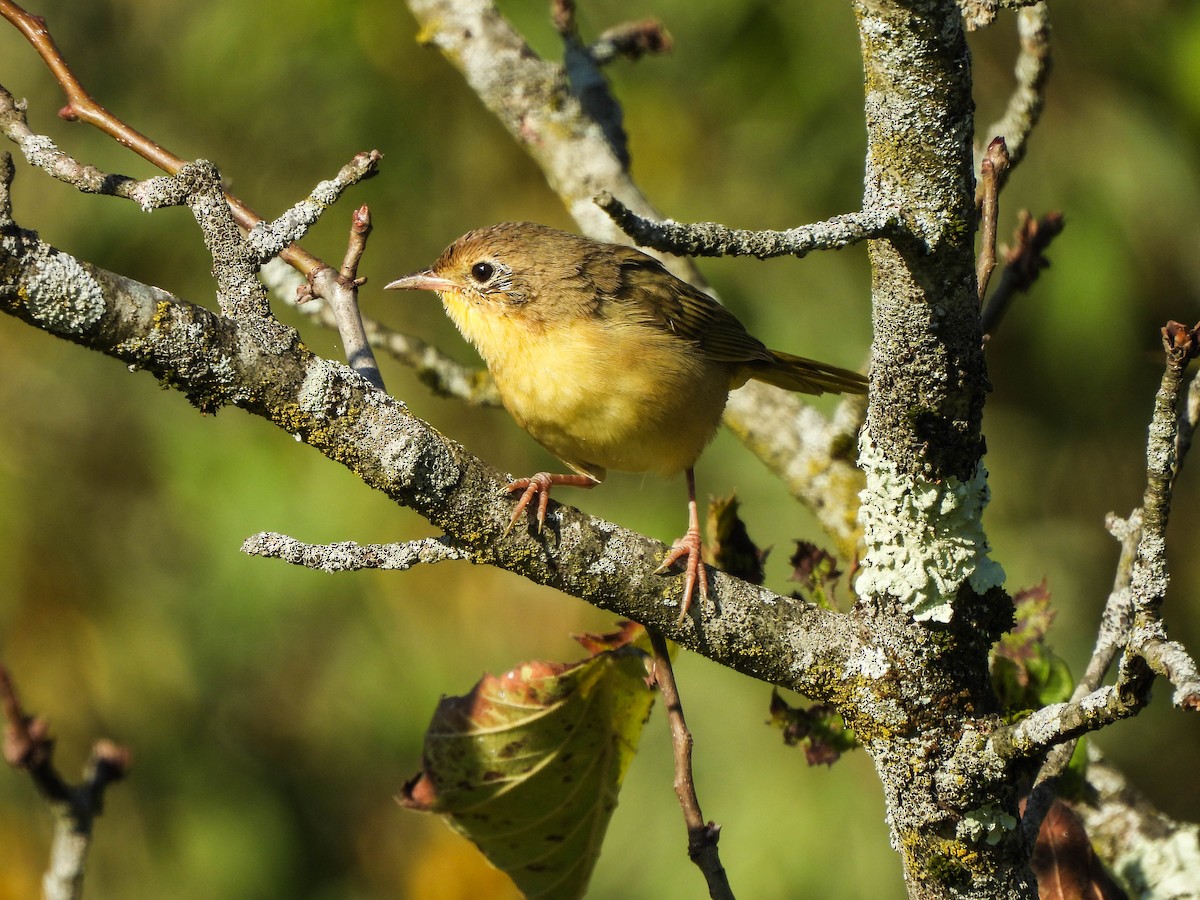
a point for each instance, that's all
(539, 486)
(693, 571)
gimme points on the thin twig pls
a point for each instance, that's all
(343, 302)
(713, 239)
(28, 746)
(702, 836)
(992, 169)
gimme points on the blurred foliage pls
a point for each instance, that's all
(273, 712)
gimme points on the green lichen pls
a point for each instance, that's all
(925, 539)
(987, 824)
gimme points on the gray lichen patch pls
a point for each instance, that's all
(62, 293)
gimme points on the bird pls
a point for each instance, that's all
(606, 359)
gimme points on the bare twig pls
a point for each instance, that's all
(28, 746)
(713, 239)
(343, 300)
(992, 169)
(347, 556)
(702, 836)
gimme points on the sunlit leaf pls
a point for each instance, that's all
(528, 765)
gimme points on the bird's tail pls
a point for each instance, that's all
(795, 373)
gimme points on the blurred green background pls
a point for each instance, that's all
(272, 711)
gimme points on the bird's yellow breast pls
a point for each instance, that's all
(597, 393)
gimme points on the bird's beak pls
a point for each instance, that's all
(425, 280)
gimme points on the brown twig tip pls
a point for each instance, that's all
(360, 220)
(109, 762)
(68, 114)
(27, 741)
(1181, 343)
(997, 155)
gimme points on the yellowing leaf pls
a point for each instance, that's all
(528, 765)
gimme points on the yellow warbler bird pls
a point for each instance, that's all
(607, 359)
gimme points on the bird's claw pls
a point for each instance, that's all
(536, 485)
(693, 571)
(540, 485)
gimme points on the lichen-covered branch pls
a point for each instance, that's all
(267, 239)
(347, 556)
(1153, 854)
(1148, 581)
(714, 239)
(813, 455)
(1061, 722)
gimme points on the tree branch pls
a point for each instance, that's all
(347, 556)
(714, 239)
(702, 836)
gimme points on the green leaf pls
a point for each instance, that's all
(528, 765)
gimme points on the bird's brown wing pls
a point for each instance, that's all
(645, 289)
(643, 286)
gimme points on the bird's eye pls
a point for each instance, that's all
(482, 271)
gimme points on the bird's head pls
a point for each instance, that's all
(494, 280)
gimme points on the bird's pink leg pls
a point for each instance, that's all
(539, 485)
(690, 546)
